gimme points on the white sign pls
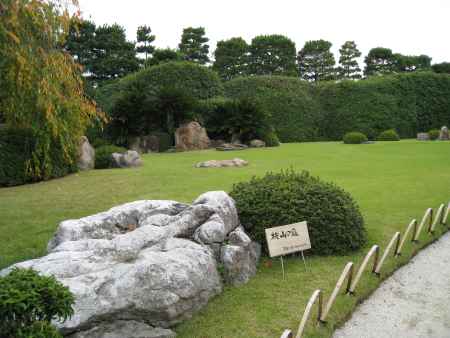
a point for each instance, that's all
(287, 239)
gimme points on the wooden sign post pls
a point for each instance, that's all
(288, 239)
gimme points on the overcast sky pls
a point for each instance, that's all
(406, 26)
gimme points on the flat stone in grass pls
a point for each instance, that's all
(231, 147)
(236, 162)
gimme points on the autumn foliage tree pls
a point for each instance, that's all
(41, 85)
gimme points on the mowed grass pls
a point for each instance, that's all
(392, 182)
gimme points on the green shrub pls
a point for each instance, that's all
(388, 135)
(271, 139)
(29, 302)
(434, 134)
(17, 149)
(289, 103)
(100, 142)
(354, 137)
(242, 118)
(103, 156)
(334, 221)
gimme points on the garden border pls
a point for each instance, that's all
(348, 271)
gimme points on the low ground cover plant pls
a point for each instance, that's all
(29, 302)
(354, 137)
(335, 223)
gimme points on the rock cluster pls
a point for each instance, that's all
(147, 265)
(423, 136)
(236, 162)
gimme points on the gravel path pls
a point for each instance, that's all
(414, 302)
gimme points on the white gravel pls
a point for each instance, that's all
(414, 302)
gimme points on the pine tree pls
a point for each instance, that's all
(193, 45)
(144, 41)
(379, 61)
(349, 67)
(316, 62)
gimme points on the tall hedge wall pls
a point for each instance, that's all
(408, 103)
(294, 113)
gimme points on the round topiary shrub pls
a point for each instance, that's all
(388, 135)
(354, 137)
(103, 156)
(335, 223)
(433, 134)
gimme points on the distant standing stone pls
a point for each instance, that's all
(423, 136)
(191, 136)
(444, 135)
(128, 159)
(236, 162)
(257, 144)
(86, 155)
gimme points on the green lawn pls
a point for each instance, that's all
(393, 182)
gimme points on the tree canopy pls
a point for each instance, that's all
(231, 58)
(144, 39)
(272, 55)
(161, 55)
(443, 67)
(379, 61)
(316, 61)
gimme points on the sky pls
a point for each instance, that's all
(410, 27)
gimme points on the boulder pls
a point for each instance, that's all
(237, 162)
(86, 155)
(139, 268)
(443, 134)
(257, 144)
(191, 136)
(128, 159)
(231, 147)
(423, 136)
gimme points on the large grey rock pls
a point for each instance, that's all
(236, 162)
(145, 263)
(124, 329)
(86, 155)
(444, 134)
(128, 159)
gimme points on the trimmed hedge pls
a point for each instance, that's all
(17, 147)
(388, 135)
(335, 223)
(293, 111)
(354, 137)
(408, 103)
(103, 156)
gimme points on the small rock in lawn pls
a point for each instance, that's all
(423, 136)
(237, 162)
(128, 159)
(232, 146)
(257, 144)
